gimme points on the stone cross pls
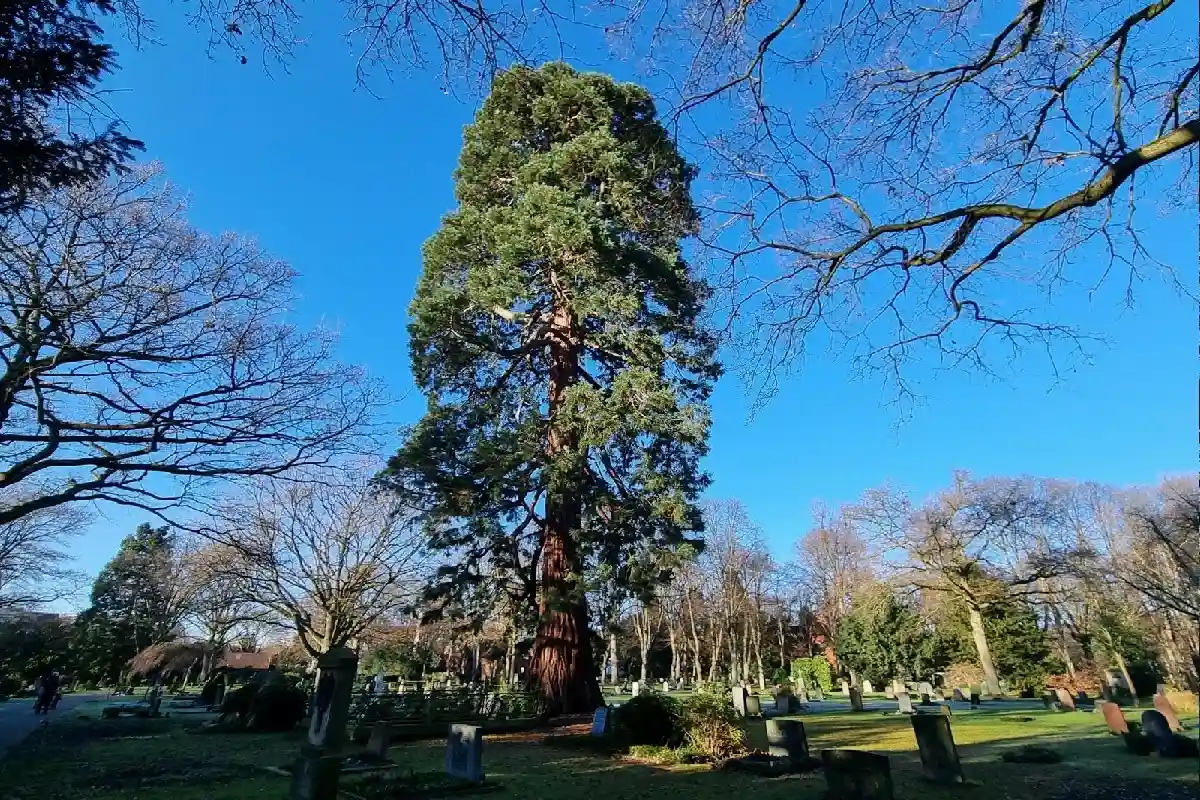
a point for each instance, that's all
(939, 756)
(905, 703)
(1164, 707)
(1114, 718)
(857, 775)
(786, 739)
(464, 752)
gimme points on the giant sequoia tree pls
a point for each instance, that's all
(556, 334)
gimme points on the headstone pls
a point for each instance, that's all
(845, 688)
(464, 753)
(786, 739)
(958, 696)
(783, 703)
(818, 694)
(905, 703)
(380, 684)
(635, 688)
(317, 771)
(925, 701)
(925, 687)
(803, 695)
(856, 701)
(939, 756)
(975, 699)
(867, 688)
(739, 700)
(1108, 693)
(1155, 726)
(857, 775)
(1163, 706)
(155, 699)
(753, 706)
(1114, 718)
(889, 692)
(1082, 697)
(600, 721)
(756, 735)
(380, 741)
(1048, 699)
(1065, 701)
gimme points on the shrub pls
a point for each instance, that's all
(650, 718)
(237, 701)
(655, 753)
(277, 707)
(710, 723)
(815, 671)
(1185, 703)
(963, 673)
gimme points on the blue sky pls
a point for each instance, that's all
(346, 187)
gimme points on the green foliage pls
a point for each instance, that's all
(1022, 651)
(130, 607)
(710, 724)
(29, 649)
(656, 754)
(561, 268)
(650, 718)
(883, 638)
(407, 661)
(780, 676)
(815, 671)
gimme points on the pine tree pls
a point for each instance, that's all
(556, 334)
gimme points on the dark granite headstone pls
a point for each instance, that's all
(1114, 718)
(939, 756)
(786, 739)
(857, 775)
(756, 735)
(1156, 727)
(380, 741)
(975, 699)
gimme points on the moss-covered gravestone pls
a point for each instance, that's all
(939, 756)
(857, 775)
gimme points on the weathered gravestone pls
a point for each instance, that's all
(925, 701)
(845, 688)
(925, 687)
(753, 706)
(1163, 706)
(1156, 727)
(786, 739)
(1065, 701)
(464, 753)
(959, 697)
(666, 686)
(856, 701)
(1114, 718)
(905, 703)
(939, 756)
(637, 687)
(857, 775)
(317, 771)
(380, 741)
(783, 702)
(867, 688)
(1048, 699)
(739, 700)
(756, 735)
(889, 692)
(818, 694)
(975, 699)
(601, 720)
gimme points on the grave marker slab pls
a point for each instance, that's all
(756, 735)
(959, 696)
(380, 741)
(889, 693)
(857, 775)
(975, 700)
(786, 739)
(1163, 706)
(783, 702)
(905, 703)
(753, 706)
(1065, 701)
(1156, 727)
(636, 687)
(601, 720)
(1114, 718)
(845, 688)
(818, 694)
(925, 687)
(317, 772)
(867, 688)
(464, 752)
(939, 756)
(739, 700)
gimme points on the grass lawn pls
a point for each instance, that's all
(160, 759)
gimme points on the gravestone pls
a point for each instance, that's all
(925, 687)
(803, 695)
(856, 701)
(786, 739)
(889, 693)
(857, 775)
(925, 701)
(867, 688)
(1081, 698)
(601, 721)
(155, 699)
(975, 699)
(753, 706)
(1163, 706)
(756, 735)
(1114, 718)
(783, 702)
(637, 687)
(939, 756)
(666, 686)
(739, 700)
(316, 772)
(1155, 726)
(905, 703)
(380, 741)
(1065, 701)
(818, 694)
(464, 753)
(845, 688)
(1048, 699)
(958, 696)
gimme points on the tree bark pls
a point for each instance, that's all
(561, 660)
(985, 654)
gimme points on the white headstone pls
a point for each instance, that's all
(635, 689)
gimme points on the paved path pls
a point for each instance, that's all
(17, 719)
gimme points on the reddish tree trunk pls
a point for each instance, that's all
(562, 649)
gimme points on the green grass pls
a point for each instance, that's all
(160, 759)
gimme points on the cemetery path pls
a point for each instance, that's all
(17, 719)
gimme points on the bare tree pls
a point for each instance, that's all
(833, 563)
(329, 556)
(142, 360)
(981, 542)
(34, 558)
(908, 175)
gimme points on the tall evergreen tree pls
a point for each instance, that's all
(131, 605)
(556, 334)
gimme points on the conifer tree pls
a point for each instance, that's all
(556, 334)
